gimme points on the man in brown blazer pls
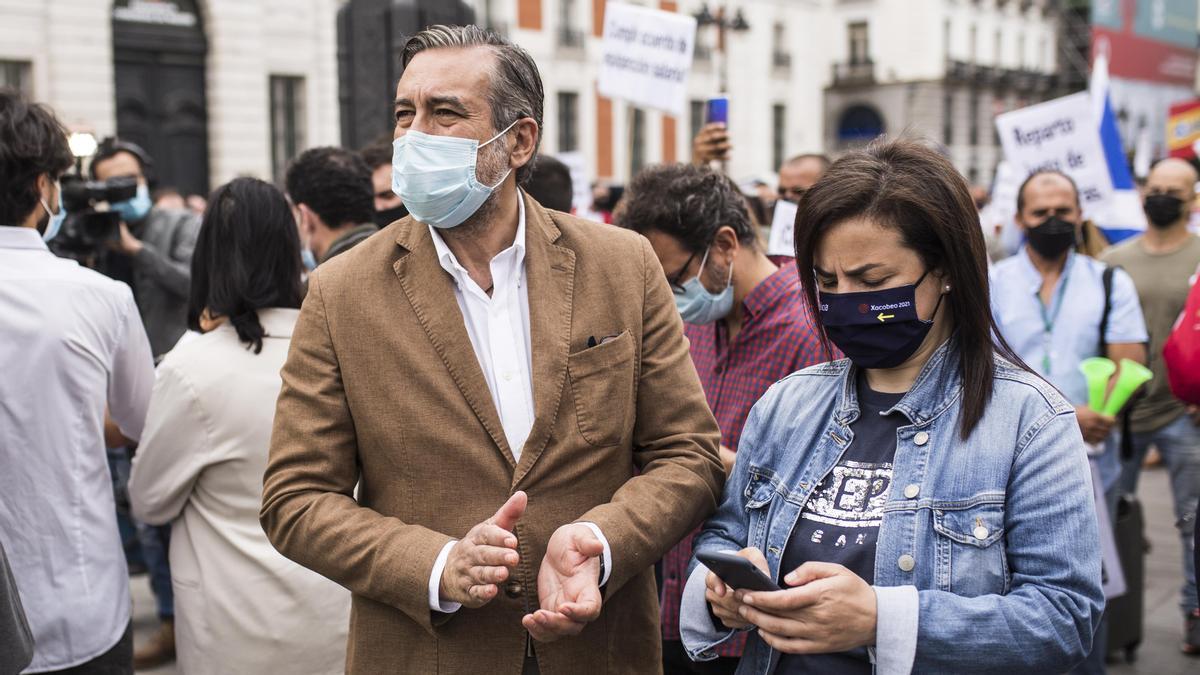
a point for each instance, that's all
(510, 390)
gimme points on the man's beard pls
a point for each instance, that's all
(490, 168)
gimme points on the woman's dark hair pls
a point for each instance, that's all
(247, 258)
(689, 203)
(32, 142)
(903, 184)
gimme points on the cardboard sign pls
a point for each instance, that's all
(581, 184)
(646, 57)
(783, 227)
(1060, 134)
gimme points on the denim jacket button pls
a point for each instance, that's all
(981, 533)
(921, 438)
(906, 563)
(912, 491)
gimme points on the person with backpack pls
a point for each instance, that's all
(1057, 307)
(1161, 262)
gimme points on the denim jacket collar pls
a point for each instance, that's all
(937, 386)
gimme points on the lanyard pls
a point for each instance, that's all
(1050, 317)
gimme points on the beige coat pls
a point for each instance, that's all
(382, 384)
(240, 607)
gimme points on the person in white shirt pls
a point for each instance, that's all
(71, 346)
(241, 607)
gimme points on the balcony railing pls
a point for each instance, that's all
(570, 37)
(853, 73)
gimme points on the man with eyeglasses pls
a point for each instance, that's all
(746, 320)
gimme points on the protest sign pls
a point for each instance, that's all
(783, 227)
(581, 184)
(646, 56)
(1060, 134)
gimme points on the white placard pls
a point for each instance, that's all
(581, 184)
(1061, 134)
(646, 56)
(783, 227)
(1113, 575)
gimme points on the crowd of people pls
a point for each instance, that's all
(406, 413)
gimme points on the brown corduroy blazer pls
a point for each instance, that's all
(382, 389)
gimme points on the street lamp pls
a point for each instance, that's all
(738, 24)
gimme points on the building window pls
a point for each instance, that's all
(697, 117)
(860, 47)
(948, 117)
(780, 56)
(778, 133)
(973, 123)
(569, 34)
(287, 121)
(18, 76)
(637, 154)
(568, 121)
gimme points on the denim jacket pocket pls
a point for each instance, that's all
(971, 555)
(759, 493)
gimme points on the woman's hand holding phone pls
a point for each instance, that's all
(826, 609)
(726, 603)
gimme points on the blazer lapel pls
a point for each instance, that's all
(430, 290)
(550, 272)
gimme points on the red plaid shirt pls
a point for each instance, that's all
(777, 339)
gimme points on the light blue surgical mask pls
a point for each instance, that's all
(133, 210)
(697, 305)
(309, 260)
(435, 176)
(56, 219)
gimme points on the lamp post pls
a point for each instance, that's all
(720, 20)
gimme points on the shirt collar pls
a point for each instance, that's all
(449, 261)
(21, 238)
(771, 290)
(1034, 276)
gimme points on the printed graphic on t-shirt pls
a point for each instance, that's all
(850, 501)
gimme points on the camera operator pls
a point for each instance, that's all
(155, 245)
(71, 346)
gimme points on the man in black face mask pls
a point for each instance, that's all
(388, 206)
(1049, 301)
(1161, 262)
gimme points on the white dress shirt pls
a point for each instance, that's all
(71, 344)
(498, 326)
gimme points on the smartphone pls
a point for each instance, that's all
(737, 572)
(717, 110)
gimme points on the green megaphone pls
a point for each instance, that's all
(1097, 370)
(1133, 375)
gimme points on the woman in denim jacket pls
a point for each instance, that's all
(925, 503)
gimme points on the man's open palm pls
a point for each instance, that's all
(568, 584)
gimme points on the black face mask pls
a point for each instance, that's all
(1052, 238)
(876, 329)
(1163, 210)
(388, 216)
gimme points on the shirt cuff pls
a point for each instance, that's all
(607, 551)
(435, 583)
(896, 617)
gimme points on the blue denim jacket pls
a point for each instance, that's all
(988, 556)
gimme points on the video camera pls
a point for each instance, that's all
(86, 228)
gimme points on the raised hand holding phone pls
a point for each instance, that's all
(726, 601)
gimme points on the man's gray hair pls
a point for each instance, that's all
(516, 85)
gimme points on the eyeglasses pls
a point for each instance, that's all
(675, 279)
(794, 193)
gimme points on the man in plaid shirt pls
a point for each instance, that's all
(746, 319)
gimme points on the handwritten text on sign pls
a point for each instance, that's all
(1060, 135)
(647, 57)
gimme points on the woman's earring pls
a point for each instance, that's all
(947, 288)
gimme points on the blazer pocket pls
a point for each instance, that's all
(602, 386)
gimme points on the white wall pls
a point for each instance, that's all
(69, 43)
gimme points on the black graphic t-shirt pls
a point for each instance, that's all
(840, 521)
